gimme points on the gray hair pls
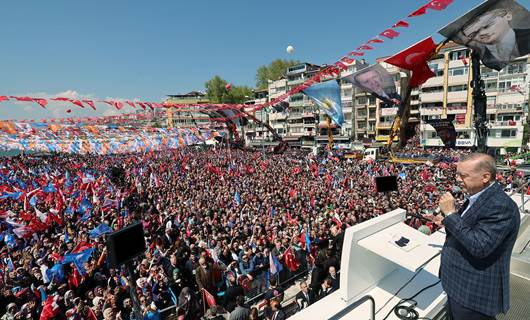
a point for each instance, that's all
(484, 162)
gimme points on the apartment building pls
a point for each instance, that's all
(186, 119)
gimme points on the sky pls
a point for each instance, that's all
(144, 50)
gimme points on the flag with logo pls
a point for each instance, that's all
(275, 265)
(326, 95)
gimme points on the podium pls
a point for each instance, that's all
(379, 257)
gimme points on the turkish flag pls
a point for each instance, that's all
(77, 103)
(141, 105)
(290, 260)
(365, 47)
(439, 4)
(389, 33)
(28, 99)
(90, 103)
(347, 60)
(130, 103)
(41, 102)
(401, 23)
(375, 40)
(415, 59)
(355, 53)
(3, 98)
(209, 298)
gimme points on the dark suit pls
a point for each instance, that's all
(229, 298)
(303, 301)
(475, 260)
(522, 37)
(278, 315)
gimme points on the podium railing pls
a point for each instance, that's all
(354, 305)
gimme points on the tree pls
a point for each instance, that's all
(217, 93)
(273, 71)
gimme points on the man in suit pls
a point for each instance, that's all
(277, 312)
(305, 297)
(492, 33)
(475, 260)
(231, 293)
(241, 312)
(335, 278)
(372, 81)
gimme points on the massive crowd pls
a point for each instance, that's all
(220, 225)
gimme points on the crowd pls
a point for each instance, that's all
(218, 223)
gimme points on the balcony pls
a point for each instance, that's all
(308, 115)
(454, 80)
(431, 111)
(457, 109)
(501, 124)
(457, 96)
(432, 97)
(277, 116)
(434, 82)
(384, 125)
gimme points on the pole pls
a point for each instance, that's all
(354, 115)
(479, 104)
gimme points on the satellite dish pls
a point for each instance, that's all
(290, 49)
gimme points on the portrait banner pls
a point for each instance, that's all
(445, 130)
(377, 81)
(326, 95)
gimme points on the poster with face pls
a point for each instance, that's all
(499, 30)
(376, 80)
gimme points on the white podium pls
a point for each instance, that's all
(378, 257)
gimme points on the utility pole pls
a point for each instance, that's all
(479, 103)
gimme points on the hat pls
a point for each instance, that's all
(11, 305)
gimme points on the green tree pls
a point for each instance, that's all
(273, 71)
(217, 93)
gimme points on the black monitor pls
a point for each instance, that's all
(386, 183)
(126, 244)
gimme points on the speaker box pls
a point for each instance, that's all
(125, 244)
(386, 183)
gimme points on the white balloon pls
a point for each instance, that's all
(290, 49)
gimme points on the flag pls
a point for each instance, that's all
(365, 47)
(209, 298)
(66, 238)
(275, 265)
(49, 188)
(79, 259)
(273, 212)
(290, 260)
(43, 295)
(326, 95)
(445, 130)
(389, 33)
(10, 266)
(237, 198)
(401, 23)
(99, 231)
(56, 273)
(307, 241)
(85, 206)
(375, 40)
(336, 219)
(415, 59)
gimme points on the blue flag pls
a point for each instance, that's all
(79, 259)
(33, 200)
(49, 188)
(66, 239)
(56, 273)
(307, 241)
(85, 206)
(237, 198)
(99, 231)
(326, 95)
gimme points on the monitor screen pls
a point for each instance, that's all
(126, 244)
(386, 184)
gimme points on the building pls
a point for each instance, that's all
(186, 119)
(449, 94)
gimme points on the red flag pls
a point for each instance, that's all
(90, 103)
(68, 110)
(118, 105)
(290, 260)
(41, 102)
(3, 98)
(415, 59)
(210, 300)
(375, 40)
(141, 105)
(365, 47)
(27, 99)
(355, 53)
(130, 103)
(150, 105)
(228, 86)
(401, 23)
(341, 65)
(439, 4)
(77, 103)
(464, 61)
(389, 33)
(347, 60)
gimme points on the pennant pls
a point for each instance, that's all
(375, 40)
(99, 231)
(389, 33)
(355, 53)
(365, 47)
(415, 59)
(326, 95)
(4, 98)
(90, 103)
(401, 23)
(209, 298)
(79, 259)
(77, 103)
(41, 102)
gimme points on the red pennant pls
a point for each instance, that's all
(347, 60)
(415, 59)
(150, 105)
(464, 61)
(375, 40)
(41, 102)
(341, 65)
(118, 105)
(389, 33)
(355, 53)
(210, 300)
(60, 99)
(365, 47)
(439, 4)
(27, 99)
(90, 103)
(3, 98)
(421, 11)
(401, 23)
(77, 103)
(130, 103)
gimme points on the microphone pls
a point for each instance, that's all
(417, 216)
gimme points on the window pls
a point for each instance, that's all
(362, 100)
(371, 100)
(457, 55)
(490, 101)
(432, 89)
(504, 86)
(491, 85)
(513, 68)
(458, 71)
(461, 87)
(507, 133)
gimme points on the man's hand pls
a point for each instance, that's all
(436, 219)
(447, 203)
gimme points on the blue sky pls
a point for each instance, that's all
(146, 49)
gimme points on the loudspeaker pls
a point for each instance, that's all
(386, 183)
(126, 244)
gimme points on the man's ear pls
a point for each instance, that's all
(508, 16)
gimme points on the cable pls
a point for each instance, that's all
(408, 312)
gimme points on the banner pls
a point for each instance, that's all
(445, 130)
(327, 97)
(499, 30)
(377, 81)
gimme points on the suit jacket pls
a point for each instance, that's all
(278, 315)
(475, 259)
(522, 37)
(302, 301)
